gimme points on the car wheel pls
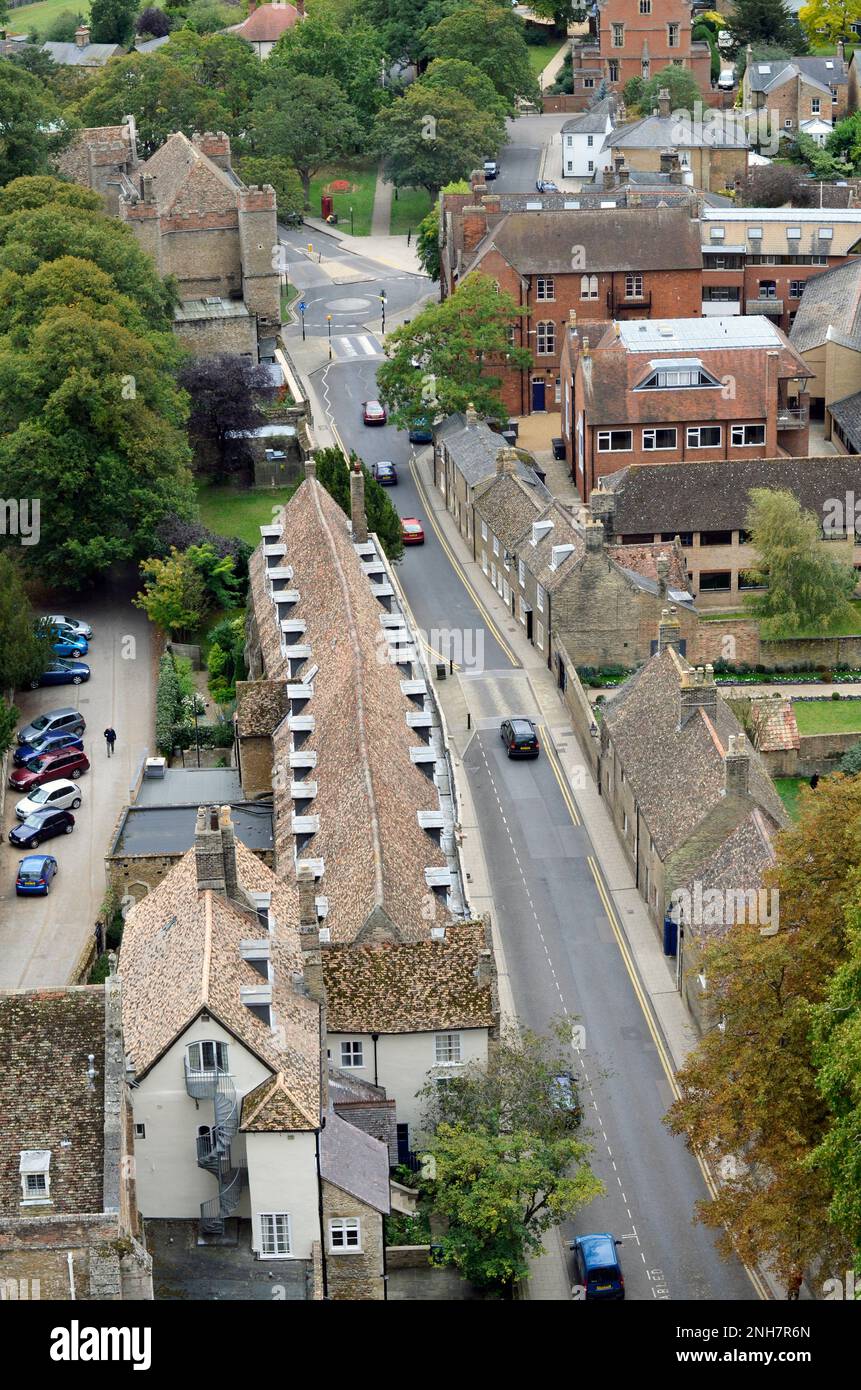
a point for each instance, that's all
(76, 803)
(34, 844)
(34, 685)
(69, 829)
(47, 889)
(76, 680)
(76, 772)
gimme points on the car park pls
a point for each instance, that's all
(63, 795)
(69, 762)
(412, 531)
(44, 824)
(385, 473)
(373, 413)
(520, 737)
(35, 875)
(66, 720)
(596, 1267)
(62, 672)
(80, 628)
(46, 743)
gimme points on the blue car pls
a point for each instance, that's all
(35, 874)
(421, 433)
(65, 642)
(596, 1267)
(61, 672)
(48, 743)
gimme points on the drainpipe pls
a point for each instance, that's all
(637, 846)
(323, 1268)
(374, 1037)
(523, 325)
(72, 1295)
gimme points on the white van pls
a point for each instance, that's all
(726, 81)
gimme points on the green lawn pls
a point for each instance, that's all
(541, 53)
(362, 177)
(411, 205)
(288, 294)
(827, 716)
(788, 789)
(232, 511)
(38, 17)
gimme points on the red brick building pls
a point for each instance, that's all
(652, 393)
(582, 265)
(637, 38)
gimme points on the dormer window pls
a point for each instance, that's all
(34, 1169)
(207, 1056)
(673, 376)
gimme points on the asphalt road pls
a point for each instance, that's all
(564, 961)
(520, 159)
(41, 938)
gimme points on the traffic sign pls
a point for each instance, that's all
(302, 306)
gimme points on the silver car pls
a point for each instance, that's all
(61, 795)
(80, 629)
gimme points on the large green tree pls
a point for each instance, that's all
(306, 120)
(113, 21)
(32, 128)
(401, 25)
(274, 169)
(461, 344)
(333, 471)
(766, 22)
(351, 55)
(432, 136)
(456, 75)
(682, 86)
(833, 18)
(490, 37)
(23, 649)
(807, 585)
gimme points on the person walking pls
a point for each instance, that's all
(110, 740)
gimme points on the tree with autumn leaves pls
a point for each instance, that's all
(772, 1098)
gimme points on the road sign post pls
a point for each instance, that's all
(302, 306)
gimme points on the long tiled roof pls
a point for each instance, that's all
(46, 1099)
(723, 131)
(611, 239)
(412, 988)
(474, 448)
(186, 181)
(847, 413)
(730, 851)
(538, 558)
(369, 789)
(764, 74)
(181, 953)
(677, 774)
(774, 723)
(355, 1162)
(509, 505)
(700, 496)
(830, 308)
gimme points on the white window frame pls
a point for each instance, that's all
(744, 442)
(545, 337)
(591, 166)
(484, 530)
(539, 635)
(815, 106)
(351, 1048)
(588, 286)
(673, 35)
(717, 233)
(345, 1226)
(590, 141)
(633, 286)
(220, 1056)
(275, 1217)
(521, 574)
(612, 71)
(645, 6)
(617, 35)
(545, 289)
(826, 233)
(35, 1166)
(607, 446)
(449, 1042)
(523, 611)
(652, 433)
(539, 597)
(694, 443)
(496, 545)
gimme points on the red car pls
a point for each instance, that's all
(412, 531)
(373, 413)
(47, 767)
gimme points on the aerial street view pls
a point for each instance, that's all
(430, 666)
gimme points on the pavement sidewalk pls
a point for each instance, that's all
(390, 251)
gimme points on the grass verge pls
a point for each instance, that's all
(362, 178)
(827, 716)
(232, 511)
(411, 205)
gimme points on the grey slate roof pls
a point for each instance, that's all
(592, 121)
(639, 239)
(474, 448)
(814, 70)
(151, 45)
(830, 305)
(679, 132)
(68, 55)
(693, 496)
(847, 413)
(510, 504)
(355, 1162)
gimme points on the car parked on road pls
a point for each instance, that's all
(62, 672)
(44, 824)
(520, 737)
(69, 762)
(420, 432)
(596, 1266)
(546, 186)
(46, 743)
(61, 795)
(491, 169)
(66, 720)
(563, 1098)
(373, 413)
(64, 642)
(80, 628)
(35, 875)
(385, 473)
(412, 531)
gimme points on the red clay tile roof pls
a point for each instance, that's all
(267, 23)
(774, 723)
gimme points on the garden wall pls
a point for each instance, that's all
(577, 703)
(738, 640)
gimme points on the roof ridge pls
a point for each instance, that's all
(358, 670)
(207, 945)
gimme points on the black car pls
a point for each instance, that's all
(520, 737)
(385, 473)
(41, 825)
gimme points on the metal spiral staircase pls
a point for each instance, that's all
(213, 1149)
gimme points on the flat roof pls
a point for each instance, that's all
(824, 215)
(214, 309)
(646, 335)
(191, 786)
(170, 829)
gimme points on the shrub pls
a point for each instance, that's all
(167, 703)
(182, 534)
(850, 763)
(835, 695)
(100, 970)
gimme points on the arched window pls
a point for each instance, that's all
(588, 286)
(545, 333)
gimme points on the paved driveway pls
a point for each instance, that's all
(41, 938)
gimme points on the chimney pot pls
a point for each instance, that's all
(669, 628)
(310, 466)
(471, 415)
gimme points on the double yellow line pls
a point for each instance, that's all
(458, 569)
(651, 1024)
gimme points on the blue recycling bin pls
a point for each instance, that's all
(671, 936)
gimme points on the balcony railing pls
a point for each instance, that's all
(792, 417)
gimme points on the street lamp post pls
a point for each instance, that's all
(329, 328)
(383, 309)
(351, 221)
(196, 732)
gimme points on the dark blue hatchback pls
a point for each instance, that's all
(596, 1267)
(35, 874)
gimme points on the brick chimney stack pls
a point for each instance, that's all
(664, 102)
(474, 225)
(82, 36)
(310, 466)
(594, 537)
(228, 852)
(357, 504)
(737, 766)
(602, 506)
(471, 415)
(697, 691)
(669, 628)
(506, 461)
(207, 851)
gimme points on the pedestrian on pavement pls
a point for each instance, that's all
(110, 740)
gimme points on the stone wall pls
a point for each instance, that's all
(137, 874)
(578, 706)
(359, 1275)
(816, 753)
(738, 640)
(208, 337)
(34, 1253)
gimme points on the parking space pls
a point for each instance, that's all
(42, 938)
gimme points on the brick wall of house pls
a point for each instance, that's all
(644, 34)
(34, 1253)
(357, 1276)
(796, 100)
